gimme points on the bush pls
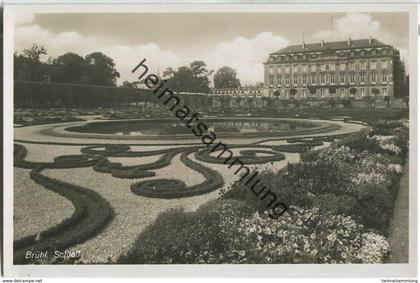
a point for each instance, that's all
(374, 206)
(336, 204)
(178, 237)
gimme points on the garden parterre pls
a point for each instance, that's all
(343, 196)
(226, 229)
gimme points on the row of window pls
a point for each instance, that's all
(361, 92)
(305, 56)
(361, 65)
(325, 79)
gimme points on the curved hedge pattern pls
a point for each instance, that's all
(92, 212)
(169, 189)
(246, 156)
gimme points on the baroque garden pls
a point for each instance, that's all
(121, 180)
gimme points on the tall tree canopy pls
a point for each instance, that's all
(96, 68)
(189, 79)
(225, 77)
(69, 68)
(101, 69)
(28, 65)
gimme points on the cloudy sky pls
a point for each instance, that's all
(241, 40)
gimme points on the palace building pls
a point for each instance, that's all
(347, 69)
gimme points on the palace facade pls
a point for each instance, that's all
(347, 69)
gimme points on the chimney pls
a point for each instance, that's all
(370, 40)
(322, 43)
(349, 41)
(303, 44)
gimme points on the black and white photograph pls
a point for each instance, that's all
(204, 137)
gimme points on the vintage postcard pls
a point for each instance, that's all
(210, 140)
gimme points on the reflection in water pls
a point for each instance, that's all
(157, 128)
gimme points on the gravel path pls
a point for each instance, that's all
(38, 209)
(399, 227)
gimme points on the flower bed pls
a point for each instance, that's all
(341, 199)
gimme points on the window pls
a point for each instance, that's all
(384, 78)
(362, 53)
(295, 68)
(373, 65)
(287, 80)
(352, 66)
(322, 92)
(295, 80)
(362, 91)
(342, 79)
(279, 80)
(342, 67)
(352, 78)
(362, 78)
(384, 51)
(287, 69)
(322, 67)
(304, 80)
(305, 68)
(271, 80)
(270, 70)
(304, 93)
(342, 92)
(373, 78)
(313, 68)
(322, 79)
(313, 80)
(332, 67)
(384, 64)
(374, 52)
(384, 91)
(333, 79)
(279, 70)
(363, 65)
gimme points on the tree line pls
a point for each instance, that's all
(98, 69)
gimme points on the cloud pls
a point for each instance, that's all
(23, 18)
(355, 25)
(246, 55)
(358, 26)
(125, 56)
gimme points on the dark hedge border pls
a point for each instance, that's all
(246, 159)
(137, 171)
(60, 162)
(122, 151)
(92, 214)
(170, 189)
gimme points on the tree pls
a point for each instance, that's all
(200, 73)
(189, 79)
(69, 68)
(101, 69)
(375, 91)
(169, 73)
(353, 91)
(225, 77)
(28, 65)
(293, 92)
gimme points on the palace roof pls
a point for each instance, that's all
(334, 45)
